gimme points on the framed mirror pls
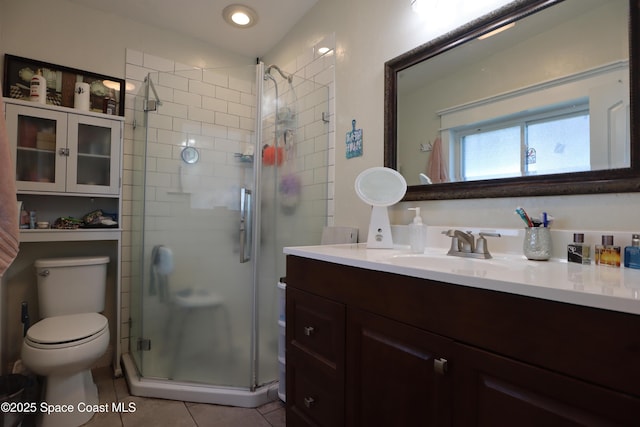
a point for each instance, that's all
(536, 98)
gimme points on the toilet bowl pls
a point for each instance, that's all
(63, 349)
(71, 337)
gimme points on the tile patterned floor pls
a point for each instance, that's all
(170, 413)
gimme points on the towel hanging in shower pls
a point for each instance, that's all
(161, 267)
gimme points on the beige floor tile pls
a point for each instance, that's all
(156, 413)
(271, 406)
(226, 416)
(276, 418)
(104, 419)
(121, 387)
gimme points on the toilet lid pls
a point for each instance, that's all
(69, 328)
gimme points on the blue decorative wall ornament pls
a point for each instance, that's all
(354, 141)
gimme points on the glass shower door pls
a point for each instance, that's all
(196, 267)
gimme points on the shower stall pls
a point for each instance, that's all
(229, 166)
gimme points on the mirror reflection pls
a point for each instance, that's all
(548, 95)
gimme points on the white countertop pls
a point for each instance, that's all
(592, 285)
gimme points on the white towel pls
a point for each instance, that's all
(164, 260)
(9, 229)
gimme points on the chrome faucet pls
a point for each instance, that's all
(464, 244)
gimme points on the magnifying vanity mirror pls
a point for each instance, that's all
(380, 187)
(537, 98)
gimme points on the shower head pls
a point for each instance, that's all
(287, 77)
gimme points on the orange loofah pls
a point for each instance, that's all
(271, 156)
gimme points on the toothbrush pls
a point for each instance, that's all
(521, 212)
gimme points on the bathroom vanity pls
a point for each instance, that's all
(381, 337)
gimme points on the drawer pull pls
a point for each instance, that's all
(309, 401)
(440, 366)
(309, 330)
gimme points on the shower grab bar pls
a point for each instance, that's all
(245, 224)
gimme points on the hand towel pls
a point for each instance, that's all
(436, 166)
(9, 228)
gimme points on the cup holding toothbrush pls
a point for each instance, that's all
(537, 243)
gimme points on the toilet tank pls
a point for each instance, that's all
(71, 285)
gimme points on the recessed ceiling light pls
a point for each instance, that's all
(240, 16)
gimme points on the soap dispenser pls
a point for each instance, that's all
(417, 233)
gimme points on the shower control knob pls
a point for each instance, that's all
(309, 330)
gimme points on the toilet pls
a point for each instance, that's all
(70, 337)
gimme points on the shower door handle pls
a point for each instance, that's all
(245, 224)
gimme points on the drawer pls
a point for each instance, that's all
(315, 392)
(316, 325)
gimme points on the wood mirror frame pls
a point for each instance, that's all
(590, 182)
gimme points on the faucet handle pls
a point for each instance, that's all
(482, 234)
(481, 243)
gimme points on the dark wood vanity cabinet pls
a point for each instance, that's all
(367, 348)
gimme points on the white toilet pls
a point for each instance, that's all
(71, 337)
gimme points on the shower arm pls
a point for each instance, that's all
(287, 77)
(151, 105)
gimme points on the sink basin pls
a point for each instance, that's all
(441, 262)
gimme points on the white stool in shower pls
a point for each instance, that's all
(184, 304)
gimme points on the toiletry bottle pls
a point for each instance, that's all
(38, 88)
(24, 218)
(32, 220)
(632, 253)
(109, 103)
(417, 233)
(607, 253)
(577, 251)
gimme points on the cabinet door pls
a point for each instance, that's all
(396, 374)
(37, 137)
(94, 155)
(495, 391)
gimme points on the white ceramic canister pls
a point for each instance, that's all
(81, 96)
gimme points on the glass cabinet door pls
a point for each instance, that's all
(37, 136)
(94, 152)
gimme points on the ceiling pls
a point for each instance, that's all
(202, 19)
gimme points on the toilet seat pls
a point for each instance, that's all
(66, 331)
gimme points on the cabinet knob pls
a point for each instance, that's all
(309, 330)
(63, 152)
(309, 401)
(440, 366)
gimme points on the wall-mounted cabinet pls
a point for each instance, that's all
(61, 150)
